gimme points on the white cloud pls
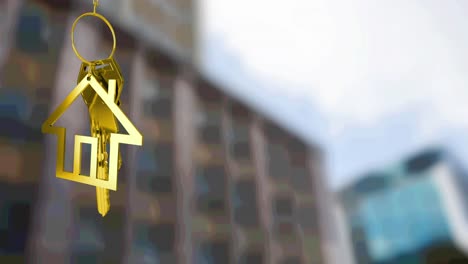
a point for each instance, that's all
(359, 60)
(359, 63)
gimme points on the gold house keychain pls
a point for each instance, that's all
(100, 84)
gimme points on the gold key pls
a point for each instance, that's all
(102, 195)
(102, 120)
(100, 84)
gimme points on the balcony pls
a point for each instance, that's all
(151, 209)
(211, 227)
(157, 130)
(250, 238)
(208, 155)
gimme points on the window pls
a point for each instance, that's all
(32, 63)
(273, 132)
(39, 113)
(155, 168)
(307, 216)
(157, 158)
(210, 116)
(213, 253)
(14, 105)
(240, 131)
(241, 150)
(95, 234)
(291, 260)
(240, 140)
(154, 244)
(210, 187)
(158, 98)
(277, 161)
(16, 130)
(283, 207)
(146, 159)
(251, 258)
(14, 115)
(89, 241)
(162, 236)
(15, 213)
(211, 134)
(300, 179)
(159, 108)
(18, 228)
(245, 204)
(283, 216)
(151, 183)
(32, 34)
(114, 234)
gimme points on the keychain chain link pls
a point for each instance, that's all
(95, 4)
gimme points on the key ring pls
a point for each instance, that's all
(93, 14)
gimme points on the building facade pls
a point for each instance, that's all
(409, 212)
(214, 182)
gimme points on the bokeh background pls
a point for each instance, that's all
(302, 131)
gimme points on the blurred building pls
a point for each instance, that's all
(411, 212)
(214, 182)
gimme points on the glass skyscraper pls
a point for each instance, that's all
(398, 214)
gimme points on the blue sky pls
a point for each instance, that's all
(370, 81)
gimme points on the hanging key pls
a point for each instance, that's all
(100, 84)
(102, 119)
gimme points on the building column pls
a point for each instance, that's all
(137, 81)
(344, 246)
(258, 140)
(324, 205)
(53, 217)
(184, 146)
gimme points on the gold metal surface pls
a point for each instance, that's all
(133, 137)
(92, 14)
(100, 84)
(102, 119)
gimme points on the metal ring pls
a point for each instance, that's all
(108, 25)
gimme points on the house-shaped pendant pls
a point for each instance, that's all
(103, 105)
